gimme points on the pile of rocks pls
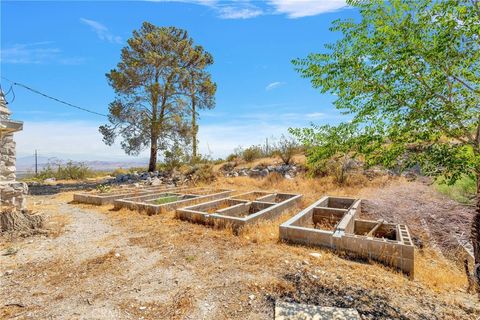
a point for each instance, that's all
(288, 171)
(152, 178)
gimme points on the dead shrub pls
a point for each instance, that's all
(286, 148)
(272, 179)
(203, 173)
(356, 179)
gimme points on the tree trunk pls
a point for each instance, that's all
(194, 122)
(475, 234)
(194, 133)
(152, 165)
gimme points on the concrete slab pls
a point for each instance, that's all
(295, 311)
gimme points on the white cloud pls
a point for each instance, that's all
(84, 142)
(244, 9)
(75, 140)
(102, 31)
(315, 115)
(36, 53)
(305, 8)
(239, 9)
(234, 135)
(80, 140)
(274, 85)
(238, 13)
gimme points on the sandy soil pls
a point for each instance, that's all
(96, 263)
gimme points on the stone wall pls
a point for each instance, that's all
(7, 157)
(12, 193)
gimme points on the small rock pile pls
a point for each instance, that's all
(154, 178)
(289, 171)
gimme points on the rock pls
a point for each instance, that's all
(156, 181)
(251, 297)
(287, 176)
(315, 254)
(410, 175)
(229, 166)
(50, 180)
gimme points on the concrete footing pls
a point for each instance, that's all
(102, 198)
(163, 201)
(240, 210)
(335, 223)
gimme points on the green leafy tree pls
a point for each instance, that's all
(409, 71)
(334, 148)
(149, 109)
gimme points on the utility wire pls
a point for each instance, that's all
(53, 98)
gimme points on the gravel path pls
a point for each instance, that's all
(69, 263)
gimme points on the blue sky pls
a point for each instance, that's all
(65, 48)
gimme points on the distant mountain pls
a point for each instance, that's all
(28, 163)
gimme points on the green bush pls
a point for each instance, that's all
(202, 173)
(252, 153)
(231, 157)
(69, 170)
(463, 190)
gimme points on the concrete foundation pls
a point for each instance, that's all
(103, 198)
(238, 211)
(335, 223)
(160, 202)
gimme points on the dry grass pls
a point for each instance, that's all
(438, 273)
(433, 271)
(312, 189)
(177, 307)
(298, 159)
(205, 272)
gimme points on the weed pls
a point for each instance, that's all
(103, 188)
(166, 199)
(190, 258)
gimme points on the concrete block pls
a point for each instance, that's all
(239, 211)
(384, 242)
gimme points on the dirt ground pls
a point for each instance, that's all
(96, 263)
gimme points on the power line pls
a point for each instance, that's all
(53, 98)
